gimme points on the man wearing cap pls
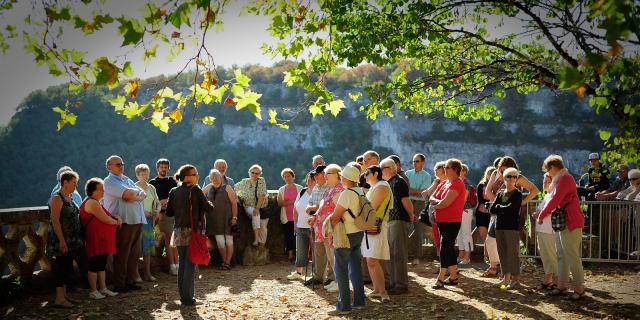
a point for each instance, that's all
(347, 260)
(598, 178)
(320, 259)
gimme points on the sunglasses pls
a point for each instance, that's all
(121, 164)
(634, 179)
(384, 168)
(256, 173)
(511, 177)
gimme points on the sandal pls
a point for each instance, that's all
(545, 286)
(557, 291)
(577, 296)
(438, 285)
(490, 273)
(64, 305)
(451, 282)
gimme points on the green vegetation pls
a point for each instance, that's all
(33, 151)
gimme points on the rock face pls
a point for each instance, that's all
(255, 256)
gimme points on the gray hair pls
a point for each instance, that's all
(62, 170)
(214, 172)
(106, 163)
(220, 161)
(371, 153)
(388, 162)
(439, 165)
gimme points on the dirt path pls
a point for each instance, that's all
(265, 293)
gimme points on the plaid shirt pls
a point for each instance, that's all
(317, 194)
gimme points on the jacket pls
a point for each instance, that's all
(564, 193)
(178, 206)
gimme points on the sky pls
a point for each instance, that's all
(238, 44)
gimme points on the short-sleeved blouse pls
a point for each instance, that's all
(327, 209)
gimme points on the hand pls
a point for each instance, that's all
(311, 220)
(234, 221)
(63, 247)
(163, 203)
(590, 188)
(119, 221)
(539, 220)
(412, 217)
(148, 214)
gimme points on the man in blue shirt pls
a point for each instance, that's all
(419, 180)
(122, 198)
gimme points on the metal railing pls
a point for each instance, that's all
(611, 232)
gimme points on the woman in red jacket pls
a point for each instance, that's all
(448, 203)
(564, 195)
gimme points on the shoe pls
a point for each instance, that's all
(501, 285)
(96, 295)
(451, 282)
(327, 282)
(438, 285)
(295, 276)
(374, 295)
(337, 312)
(108, 293)
(490, 273)
(513, 286)
(416, 261)
(173, 269)
(151, 278)
(577, 296)
(312, 281)
(332, 287)
(188, 303)
(133, 287)
(397, 291)
(557, 291)
(358, 308)
(139, 280)
(64, 305)
(255, 243)
(385, 298)
(121, 289)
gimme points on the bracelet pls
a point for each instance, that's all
(236, 218)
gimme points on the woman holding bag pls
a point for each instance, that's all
(188, 205)
(287, 195)
(564, 194)
(252, 193)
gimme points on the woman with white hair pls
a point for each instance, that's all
(223, 216)
(507, 209)
(633, 191)
(252, 193)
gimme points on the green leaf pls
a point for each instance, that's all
(241, 79)
(107, 73)
(65, 117)
(78, 56)
(335, 106)
(166, 92)
(118, 102)
(131, 31)
(604, 135)
(161, 121)
(249, 99)
(127, 70)
(355, 96)
(218, 93)
(180, 16)
(237, 90)
(131, 111)
(316, 109)
(150, 53)
(208, 120)
(571, 78)
(272, 116)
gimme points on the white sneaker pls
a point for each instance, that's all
(96, 295)
(173, 270)
(139, 280)
(295, 276)
(332, 287)
(108, 293)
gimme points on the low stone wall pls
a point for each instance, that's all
(24, 236)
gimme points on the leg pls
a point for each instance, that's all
(263, 231)
(563, 264)
(222, 247)
(319, 260)
(302, 249)
(355, 269)
(571, 241)
(134, 256)
(547, 248)
(377, 275)
(123, 249)
(185, 277)
(341, 272)
(329, 254)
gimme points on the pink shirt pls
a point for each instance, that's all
(290, 194)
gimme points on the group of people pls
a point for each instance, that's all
(324, 217)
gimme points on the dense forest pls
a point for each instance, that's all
(32, 150)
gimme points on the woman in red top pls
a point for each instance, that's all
(448, 204)
(100, 236)
(565, 195)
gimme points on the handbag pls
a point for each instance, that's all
(377, 228)
(265, 213)
(198, 250)
(559, 218)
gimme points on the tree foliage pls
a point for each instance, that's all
(456, 56)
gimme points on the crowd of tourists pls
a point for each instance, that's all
(348, 224)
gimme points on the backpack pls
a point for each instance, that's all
(366, 218)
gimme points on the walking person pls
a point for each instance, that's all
(186, 204)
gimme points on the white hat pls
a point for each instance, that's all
(594, 156)
(350, 173)
(634, 174)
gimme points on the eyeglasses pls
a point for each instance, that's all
(191, 175)
(256, 173)
(511, 177)
(328, 173)
(384, 168)
(633, 179)
(417, 161)
(121, 164)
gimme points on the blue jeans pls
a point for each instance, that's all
(186, 276)
(348, 265)
(302, 247)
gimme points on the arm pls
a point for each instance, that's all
(234, 204)
(94, 208)
(448, 199)
(170, 210)
(488, 193)
(207, 188)
(56, 207)
(533, 190)
(337, 215)
(429, 191)
(406, 203)
(561, 190)
(280, 197)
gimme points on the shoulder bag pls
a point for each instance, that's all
(198, 250)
